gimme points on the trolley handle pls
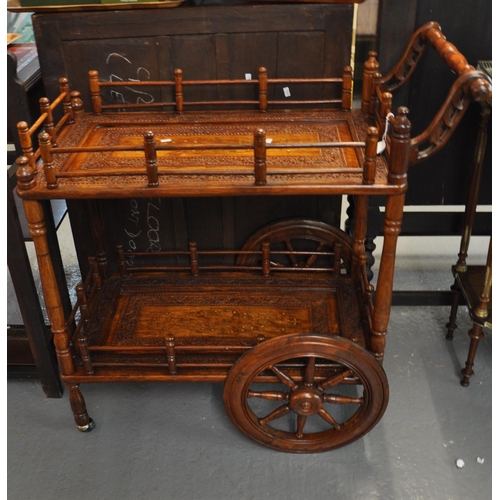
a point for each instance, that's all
(471, 85)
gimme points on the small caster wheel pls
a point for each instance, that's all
(86, 428)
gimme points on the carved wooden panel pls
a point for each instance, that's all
(131, 313)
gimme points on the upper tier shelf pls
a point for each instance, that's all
(210, 153)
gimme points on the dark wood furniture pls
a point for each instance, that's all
(473, 283)
(288, 319)
(29, 343)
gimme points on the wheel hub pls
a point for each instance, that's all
(306, 401)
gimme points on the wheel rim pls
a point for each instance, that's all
(312, 405)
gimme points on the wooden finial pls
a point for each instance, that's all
(48, 165)
(23, 131)
(64, 88)
(95, 91)
(25, 174)
(77, 104)
(370, 68)
(400, 147)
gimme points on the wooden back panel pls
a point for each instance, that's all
(291, 41)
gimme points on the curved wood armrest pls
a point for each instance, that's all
(470, 85)
(429, 34)
(446, 50)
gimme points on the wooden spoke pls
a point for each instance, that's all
(277, 413)
(284, 377)
(310, 369)
(335, 380)
(270, 395)
(328, 418)
(312, 259)
(339, 399)
(301, 422)
(292, 257)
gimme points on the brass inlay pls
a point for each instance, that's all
(207, 321)
(221, 139)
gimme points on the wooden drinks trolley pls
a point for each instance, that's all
(289, 321)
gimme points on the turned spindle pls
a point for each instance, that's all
(347, 88)
(400, 148)
(370, 164)
(68, 110)
(259, 145)
(263, 89)
(337, 258)
(171, 362)
(385, 104)
(193, 258)
(49, 170)
(120, 253)
(266, 259)
(371, 67)
(151, 165)
(23, 132)
(179, 94)
(95, 91)
(49, 120)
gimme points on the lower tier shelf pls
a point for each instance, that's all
(194, 328)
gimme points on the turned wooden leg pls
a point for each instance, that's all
(455, 299)
(398, 165)
(83, 422)
(373, 230)
(383, 294)
(475, 334)
(53, 302)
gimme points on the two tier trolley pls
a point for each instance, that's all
(289, 322)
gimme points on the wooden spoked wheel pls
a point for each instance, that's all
(306, 393)
(309, 237)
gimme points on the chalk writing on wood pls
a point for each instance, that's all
(122, 69)
(142, 227)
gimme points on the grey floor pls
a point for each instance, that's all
(175, 442)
